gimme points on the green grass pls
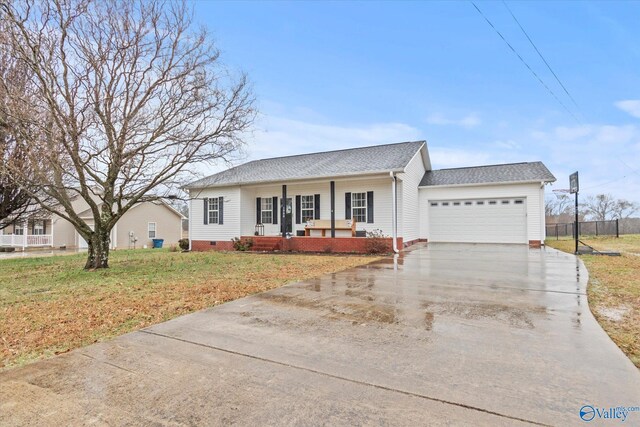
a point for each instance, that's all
(629, 243)
(614, 287)
(50, 305)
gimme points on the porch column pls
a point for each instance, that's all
(25, 233)
(332, 185)
(283, 209)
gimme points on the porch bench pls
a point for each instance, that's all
(324, 224)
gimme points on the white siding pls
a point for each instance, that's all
(531, 191)
(381, 188)
(231, 216)
(408, 217)
(249, 195)
(240, 206)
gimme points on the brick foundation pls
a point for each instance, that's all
(413, 242)
(298, 244)
(206, 245)
(535, 243)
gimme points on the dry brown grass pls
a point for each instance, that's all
(614, 288)
(49, 305)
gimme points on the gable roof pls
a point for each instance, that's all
(352, 161)
(511, 172)
(88, 213)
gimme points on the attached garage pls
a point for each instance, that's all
(484, 204)
(492, 220)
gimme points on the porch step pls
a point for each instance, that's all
(266, 247)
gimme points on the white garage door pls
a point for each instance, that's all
(500, 220)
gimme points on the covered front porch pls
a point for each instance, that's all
(31, 233)
(341, 214)
(340, 208)
(333, 216)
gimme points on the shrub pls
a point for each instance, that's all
(184, 244)
(377, 242)
(242, 244)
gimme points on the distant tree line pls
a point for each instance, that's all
(601, 207)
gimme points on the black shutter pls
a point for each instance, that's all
(275, 210)
(206, 211)
(347, 205)
(316, 205)
(370, 207)
(220, 210)
(258, 211)
(44, 226)
(298, 210)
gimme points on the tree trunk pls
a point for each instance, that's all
(98, 245)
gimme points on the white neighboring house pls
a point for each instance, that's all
(390, 187)
(136, 229)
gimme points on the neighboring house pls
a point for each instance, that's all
(137, 227)
(387, 187)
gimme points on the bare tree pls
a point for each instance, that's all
(605, 207)
(14, 199)
(558, 208)
(624, 209)
(129, 95)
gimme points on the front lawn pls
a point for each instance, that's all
(614, 288)
(50, 305)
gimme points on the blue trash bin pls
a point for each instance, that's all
(157, 243)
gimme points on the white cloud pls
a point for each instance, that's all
(468, 121)
(444, 158)
(601, 153)
(279, 136)
(571, 133)
(507, 144)
(630, 106)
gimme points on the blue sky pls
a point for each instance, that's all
(331, 75)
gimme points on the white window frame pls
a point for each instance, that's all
(307, 208)
(38, 227)
(213, 211)
(266, 210)
(18, 229)
(359, 207)
(154, 231)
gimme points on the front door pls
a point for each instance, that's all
(287, 224)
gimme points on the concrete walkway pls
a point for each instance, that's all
(445, 335)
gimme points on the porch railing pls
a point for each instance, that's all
(18, 240)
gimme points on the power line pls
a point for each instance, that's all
(525, 62)
(541, 56)
(636, 171)
(605, 183)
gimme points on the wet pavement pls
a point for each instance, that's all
(445, 334)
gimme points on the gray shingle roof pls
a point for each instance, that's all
(512, 172)
(353, 161)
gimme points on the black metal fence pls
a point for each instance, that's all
(585, 228)
(612, 227)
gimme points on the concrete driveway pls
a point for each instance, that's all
(445, 335)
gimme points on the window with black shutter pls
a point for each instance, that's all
(307, 208)
(266, 210)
